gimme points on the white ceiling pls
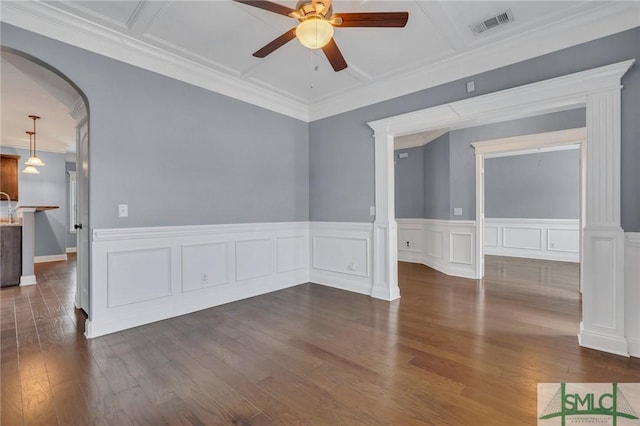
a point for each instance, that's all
(29, 89)
(209, 43)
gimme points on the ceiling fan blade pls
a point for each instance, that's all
(267, 5)
(371, 19)
(334, 56)
(275, 44)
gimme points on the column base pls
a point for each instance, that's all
(600, 342)
(386, 293)
(28, 280)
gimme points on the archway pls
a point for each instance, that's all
(75, 102)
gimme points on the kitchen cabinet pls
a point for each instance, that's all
(9, 175)
(10, 255)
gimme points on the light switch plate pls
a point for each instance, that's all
(123, 210)
(457, 211)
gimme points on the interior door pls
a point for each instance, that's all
(82, 217)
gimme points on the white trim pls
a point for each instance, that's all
(632, 291)
(578, 28)
(431, 242)
(58, 24)
(50, 258)
(28, 280)
(559, 239)
(517, 145)
(342, 256)
(71, 250)
(599, 90)
(141, 275)
(116, 234)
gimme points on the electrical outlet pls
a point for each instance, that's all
(457, 211)
(372, 210)
(408, 244)
(471, 86)
(204, 278)
(553, 245)
(352, 266)
(123, 210)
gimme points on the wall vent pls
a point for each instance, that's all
(493, 22)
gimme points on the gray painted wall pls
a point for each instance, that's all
(175, 153)
(341, 147)
(542, 185)
(463, 190)
(448, 173)
(46, 188)
(437, 181)
(409, 184)
(70, 237)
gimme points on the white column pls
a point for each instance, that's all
(603, 326)
(385, 228)
(28, 276)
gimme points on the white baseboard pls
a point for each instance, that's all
(50, 258)
(632, 291)
(604, 343)
(28, 280)
(71, 250)
(447, 246)
(546, 239)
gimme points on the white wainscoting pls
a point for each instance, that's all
(632, 291)
(549, 239)
(341, 255)
(141, 275)
(445, 245)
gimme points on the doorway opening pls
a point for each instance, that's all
(602, 238)
(68, 143)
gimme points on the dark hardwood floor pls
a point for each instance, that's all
(452, 351)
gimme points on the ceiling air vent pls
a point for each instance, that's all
(493, 22)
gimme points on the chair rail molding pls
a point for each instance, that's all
(597, 89)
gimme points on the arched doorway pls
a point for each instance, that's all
(73, 101)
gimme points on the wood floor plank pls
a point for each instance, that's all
(452, 351)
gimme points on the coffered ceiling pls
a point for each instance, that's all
(209, 43)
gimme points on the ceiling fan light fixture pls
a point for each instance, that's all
(314, 32)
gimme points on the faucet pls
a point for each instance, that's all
(10, 210)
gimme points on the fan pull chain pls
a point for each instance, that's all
(314, 66)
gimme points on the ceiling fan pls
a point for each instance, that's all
(317, 22)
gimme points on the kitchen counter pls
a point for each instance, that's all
(39, 208)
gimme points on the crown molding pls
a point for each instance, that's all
(49, 21)
(42, 18)
(611, 18)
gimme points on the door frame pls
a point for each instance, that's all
(521, 145)
(597, 90)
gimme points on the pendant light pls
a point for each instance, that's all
(30, 169)
(33, 159)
